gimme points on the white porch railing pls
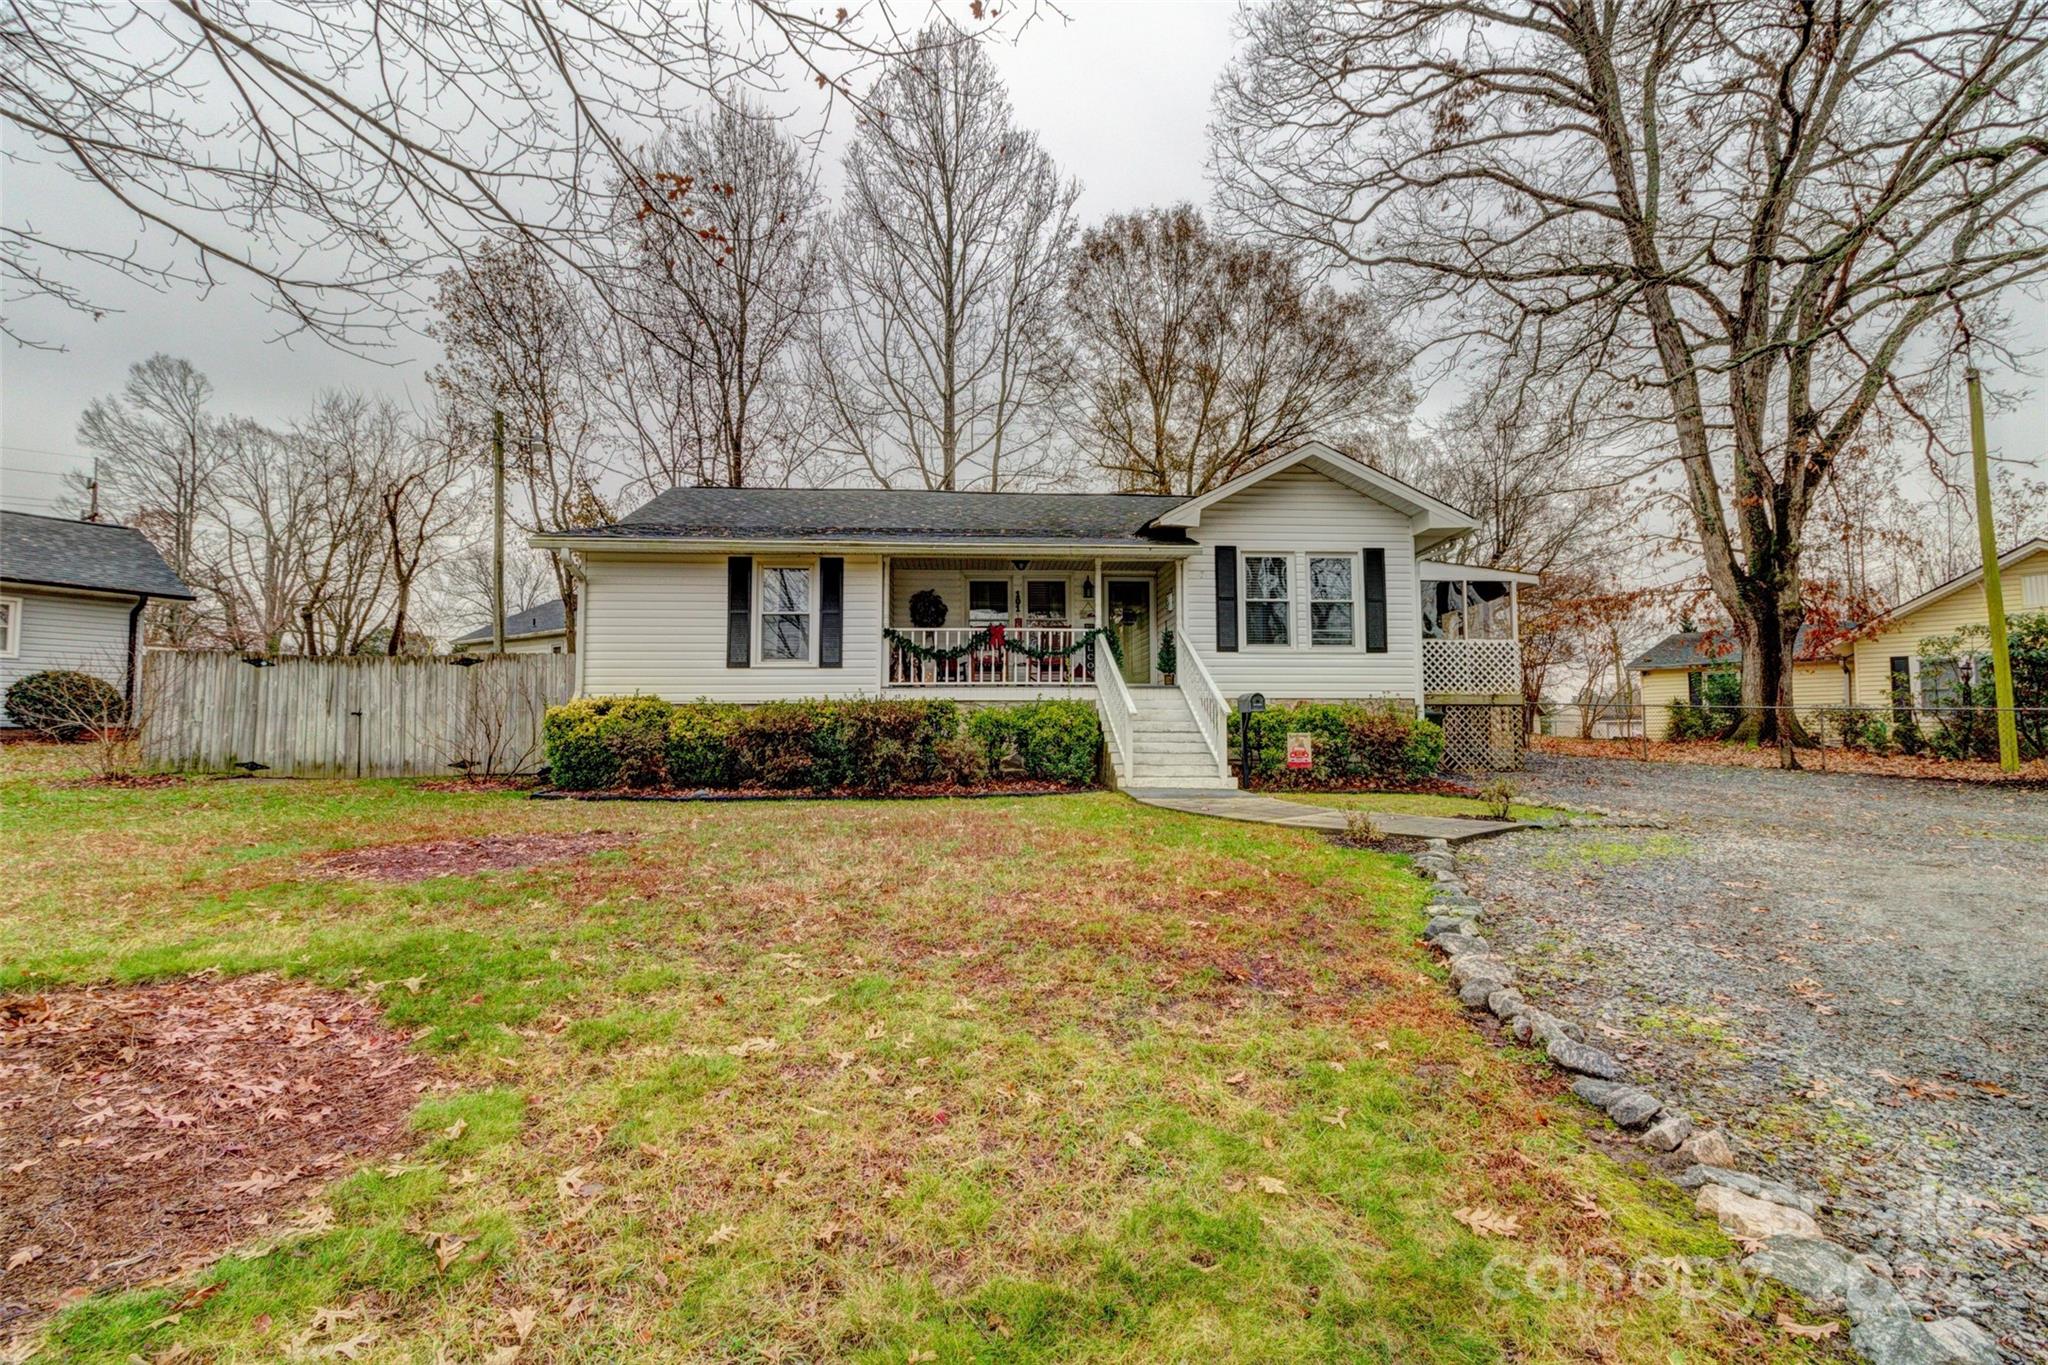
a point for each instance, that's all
(989, 665)
(1119, 718)
(1490, 667)
(1206, 700)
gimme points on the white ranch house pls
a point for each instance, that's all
(1309, 578)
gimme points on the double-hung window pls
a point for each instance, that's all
(10, 627)
(1265, 600)
(988, 599)
(1332, 599)
(1045, 601)
(786, 613)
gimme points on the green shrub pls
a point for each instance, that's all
(1689, 722)
(65, 704)
(1963, 712)
(1349, 742)
(963, 761)
(1862, 730)
(1499, 798)
(995, 729)
(703, 744)
(866, 746)
(1058, 741)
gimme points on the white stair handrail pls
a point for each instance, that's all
(1113, 701)
(1206, 700)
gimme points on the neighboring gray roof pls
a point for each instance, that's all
(1704, 649)
(541, 620)
(60, 553)
(892, 514)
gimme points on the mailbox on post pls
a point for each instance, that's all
(1249, 704)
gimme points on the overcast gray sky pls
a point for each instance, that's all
(1120, 94)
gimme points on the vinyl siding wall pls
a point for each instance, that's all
(1814, 685)
(66, 630)
(657, 626)
(1951, 613)
(1299, 512)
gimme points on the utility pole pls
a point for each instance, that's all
(497, 531)
(1994, 590)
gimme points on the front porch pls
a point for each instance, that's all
(1471, 632)
(1039, 624)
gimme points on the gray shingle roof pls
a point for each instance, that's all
(533, 621)
(892, 514)
(59, 552)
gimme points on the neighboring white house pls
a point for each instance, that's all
(71, 597)
(537, 630)
(1308, 578)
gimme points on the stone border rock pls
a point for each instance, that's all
(1754, 1210)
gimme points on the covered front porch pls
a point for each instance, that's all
(1041, 622)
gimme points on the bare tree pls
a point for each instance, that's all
(463, 581)
(1745, 224)
(516, 338)
(1520, 461)
(1200, 357)
(729, 281)
(940, 359)
(329, 151)
(265, 520)
(158, 461)
(345, 569)
(423, 485)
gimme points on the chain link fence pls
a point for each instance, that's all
(1940, 732)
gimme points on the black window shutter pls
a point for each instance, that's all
(1694, 687)
(1375, 601)
(1226, 599)
(739, 608)
(1902, 686)
(831, 611)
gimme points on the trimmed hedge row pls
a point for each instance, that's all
(1353, 741)
(602, 743)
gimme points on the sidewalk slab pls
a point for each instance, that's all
(1268, 810)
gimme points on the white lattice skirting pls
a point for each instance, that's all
(1491, 667)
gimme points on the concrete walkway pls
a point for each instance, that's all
(1270, 810)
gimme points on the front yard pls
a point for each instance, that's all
(1018, 1079)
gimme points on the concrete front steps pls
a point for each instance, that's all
(1169, 749)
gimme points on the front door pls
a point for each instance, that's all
(1130, 616)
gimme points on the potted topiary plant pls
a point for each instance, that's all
(1168, 660)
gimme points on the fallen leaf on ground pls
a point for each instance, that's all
(1489, 1222)
(1272, 1186)
(455, 1130)
(1819, 1331)
(722, 1234)
(447, 1248)
(522, 1320)
(1134, 1141)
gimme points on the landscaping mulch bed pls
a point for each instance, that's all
(418, 861)
(481, 786)
(920, 792)
(146, 1129)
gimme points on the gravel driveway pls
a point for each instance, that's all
(1849, 974)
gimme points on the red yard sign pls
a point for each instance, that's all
(1300, 751)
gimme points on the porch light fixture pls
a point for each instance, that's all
(1088, 588)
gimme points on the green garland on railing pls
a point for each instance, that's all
(981, 639)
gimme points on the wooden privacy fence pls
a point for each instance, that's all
(349, 717)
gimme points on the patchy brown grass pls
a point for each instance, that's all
(415, 862)
(148, 1128)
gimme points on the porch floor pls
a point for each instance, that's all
(1268, 810)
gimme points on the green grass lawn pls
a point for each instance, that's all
(1416, 803)
(1007, 1080)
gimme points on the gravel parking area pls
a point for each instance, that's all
(1849, 974)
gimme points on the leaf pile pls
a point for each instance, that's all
(144, 1129)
